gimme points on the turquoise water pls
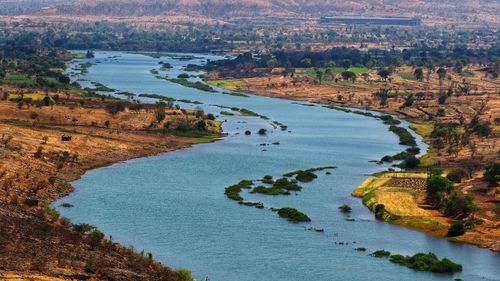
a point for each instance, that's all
(174, 206)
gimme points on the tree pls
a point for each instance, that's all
(459, 67)
(441, 73)
(384, 73)
(319, 74)
(46, 100)
(436, 187)
(306, 62)
(90, 54)
(346, 64)
(492, 173)
(160, 113)
(419, 74)
(349, 75)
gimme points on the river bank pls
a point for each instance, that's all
(45, 147)
(424, 113)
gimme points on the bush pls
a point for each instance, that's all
(436, 185)
(183, 76)
(344, 208)
(233, 192)
(456, 175)
(405, 137)
(262, 131)
(456, 229)
(184, 275)
(492, 173)
(410, 163)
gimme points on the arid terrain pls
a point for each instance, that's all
(42, 148)
(475, 97)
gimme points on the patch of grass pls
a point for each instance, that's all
(226, 113)
(358, 70)
(293, 215)
(231, 85)
(407, 76)
(19, 80)
(467, 74)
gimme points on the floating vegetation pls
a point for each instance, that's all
(127, 94)
(303, 104)
(190, 84)
(98, 87)
(236, 94)
(281, 125)
(227, 113)
(307, 175)
(190, 101)
(257, 205)
(268, 179)
(360, 249)
(156, 96)
(154, 71)
(66, 205)
(292, 215)
(233, 192)
(427, 262)
(381, 254)
(270, 190)
(262, 132)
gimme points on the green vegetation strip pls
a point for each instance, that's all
(190, 84)
(421, 262)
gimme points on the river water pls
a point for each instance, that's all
(174, 206)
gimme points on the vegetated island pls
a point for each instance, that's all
(274, 187)
(421, 262)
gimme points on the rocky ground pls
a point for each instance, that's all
(42, 148)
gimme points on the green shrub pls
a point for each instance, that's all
(492, 173)
(344, 208)
(456, 229)
(184, 275)
(436, 186)
(456, 175)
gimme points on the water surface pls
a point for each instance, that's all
(174, 206)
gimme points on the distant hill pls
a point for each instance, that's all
(484, 11)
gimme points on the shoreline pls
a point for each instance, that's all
(39, 165)
(414, 223)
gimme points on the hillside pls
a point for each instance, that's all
(431, 11)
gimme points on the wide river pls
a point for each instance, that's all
(174, 206)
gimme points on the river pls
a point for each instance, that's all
(174, 206)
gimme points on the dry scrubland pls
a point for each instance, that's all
(476, 98)
(35, 167)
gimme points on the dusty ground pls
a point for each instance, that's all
(35, 166)
(481, 100)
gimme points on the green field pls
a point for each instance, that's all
(18, 80)
(311, 72)
(231, 85)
